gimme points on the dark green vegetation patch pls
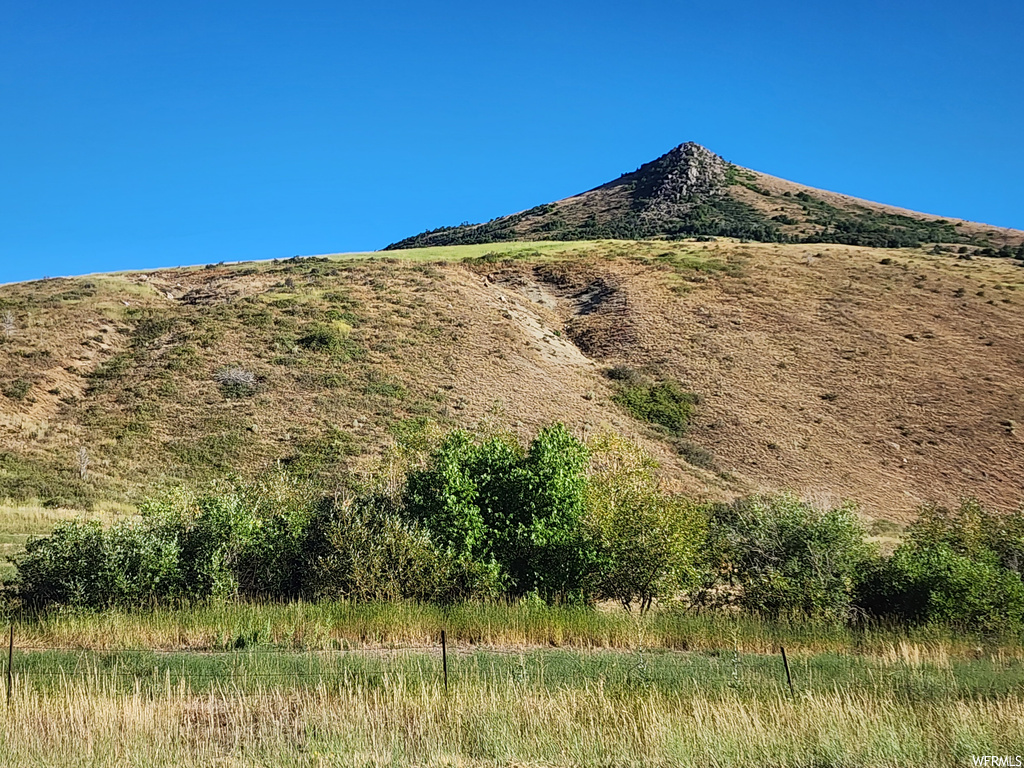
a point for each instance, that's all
(666, 404)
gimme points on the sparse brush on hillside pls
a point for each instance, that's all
(664, 403)
(308, 365)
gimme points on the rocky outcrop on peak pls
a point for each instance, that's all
(672, 185)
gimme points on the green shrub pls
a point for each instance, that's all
(365, 550)
(81, 564)
(664, 403)
(974, 531)
(327, 339)
(142, 558)
(148, 326)
(17, 389)
(958, 567)
(274, 539)
(493, 502)
(694, 454)
(111, 369)
(386, 389)
(248, 541)
(550, 529)
(934, 584)
(625, 375)
(789, 559)
(443, 496)
(68, 567)
(323, 338)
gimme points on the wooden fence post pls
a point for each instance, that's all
(10, 663)
(785, 663)
(444, 660)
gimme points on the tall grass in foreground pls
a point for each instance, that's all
(407, 720)
(338, 684)
(341, 625)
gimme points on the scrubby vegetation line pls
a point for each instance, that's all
(463, 517)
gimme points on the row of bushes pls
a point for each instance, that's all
(558, 520)
(958, 567)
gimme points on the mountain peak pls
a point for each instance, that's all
(671, 185)
(690, 191)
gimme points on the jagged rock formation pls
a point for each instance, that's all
(692, 192)
(673, 184)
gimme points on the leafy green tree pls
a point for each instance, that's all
(648, 542)
(524, 510)
(444, 495)
(973, 531)
(958, 567)
(552, 495)
(363, 549)
(935, 584)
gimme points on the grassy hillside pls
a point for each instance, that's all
(889, 377)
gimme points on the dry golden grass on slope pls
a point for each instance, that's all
(890, 377)
(885, 376)
(781, 199)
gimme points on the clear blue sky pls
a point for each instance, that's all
(138, 135)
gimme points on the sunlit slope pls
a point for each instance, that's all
(886, 376)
